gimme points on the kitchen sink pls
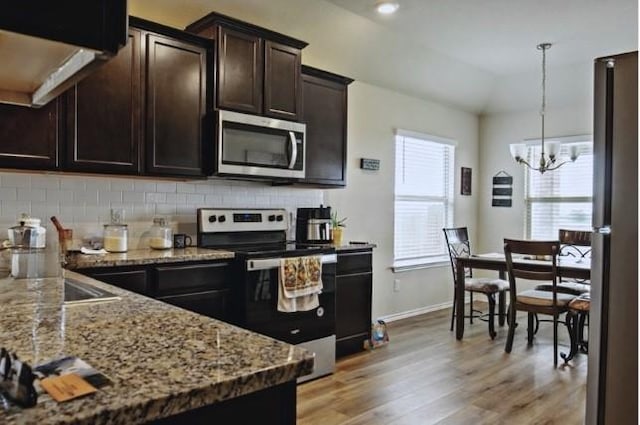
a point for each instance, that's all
(76, 292)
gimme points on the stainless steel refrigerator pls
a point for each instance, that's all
(612, 381)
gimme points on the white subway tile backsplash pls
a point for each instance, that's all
(45, 182)
(168, 187)
(25, 194)
(98, 184)
(144, 186)
(8, 194)
(124, 185)
(58, 195)
(155, 198)
(186, 188)
(166, 209)
(133, 197)
(16, 180)
(72, 183)
(213, 200)
(88, 197)
(176, 198)
(83, 203)
(196, 199)
(108, 197)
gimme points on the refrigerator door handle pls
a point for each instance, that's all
(604, 230)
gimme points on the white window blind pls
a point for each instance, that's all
(562, 198)
(423, 198)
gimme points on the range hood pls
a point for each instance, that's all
(47, 46)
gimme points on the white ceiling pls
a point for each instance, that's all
(476, 55)
(500, 36)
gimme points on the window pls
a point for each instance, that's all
(562, 198)
(423, 198)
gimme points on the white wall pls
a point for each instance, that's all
(497, 131)
(367, 201)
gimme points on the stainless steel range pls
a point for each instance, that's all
(258, 239)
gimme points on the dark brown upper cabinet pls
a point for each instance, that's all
(282, 97)
(176, 88)
(104, 115)
(144, 111)
(240, 68)
(29, 137)
(325, 113)
(258, 70)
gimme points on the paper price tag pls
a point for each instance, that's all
(66, 387)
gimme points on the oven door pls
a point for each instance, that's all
(261, 298)
(251, 145)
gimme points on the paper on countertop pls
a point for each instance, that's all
(92, 251)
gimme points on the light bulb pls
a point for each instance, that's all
(387, 7)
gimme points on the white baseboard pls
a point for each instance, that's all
(418, 311)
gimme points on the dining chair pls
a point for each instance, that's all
(534, 301)
(458, 244)
(576, 316)
(576, 245)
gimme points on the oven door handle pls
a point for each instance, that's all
(274, 263)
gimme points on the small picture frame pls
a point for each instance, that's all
(465, 181)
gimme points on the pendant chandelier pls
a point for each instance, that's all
(549, 155)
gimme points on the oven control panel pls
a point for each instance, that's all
(212, 220)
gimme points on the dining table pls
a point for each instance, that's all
(567, 267)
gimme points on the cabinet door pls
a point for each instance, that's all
(325, 113)
(209, 303)
(29, 137)
(187, 278)
(282, 91)
(353, 305)
(176, 83)
(240, 70)
(103, 115)
(133, 280)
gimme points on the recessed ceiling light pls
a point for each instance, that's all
(387, 7)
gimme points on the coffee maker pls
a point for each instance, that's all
(313, 225)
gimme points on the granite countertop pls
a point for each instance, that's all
(162, 360)
(355, 246)
(139, 257)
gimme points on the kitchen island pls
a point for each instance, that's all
(167, 365)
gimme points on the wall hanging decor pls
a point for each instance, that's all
(502, 189)
(465, 181)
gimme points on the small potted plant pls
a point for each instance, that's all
(337, 225)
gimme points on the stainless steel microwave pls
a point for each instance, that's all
(250, 145)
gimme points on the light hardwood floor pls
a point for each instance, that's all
(425, 376)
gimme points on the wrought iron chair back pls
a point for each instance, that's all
(575, 243)
(458, 245)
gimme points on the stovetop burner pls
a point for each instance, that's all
(252, 233)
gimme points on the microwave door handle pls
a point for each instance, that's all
(294, 149)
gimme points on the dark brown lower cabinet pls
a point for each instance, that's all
(201, 287)
(353, 301)
(29, 137)
(273, 406)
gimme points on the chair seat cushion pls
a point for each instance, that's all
(485, 284)
(543, 298)
(582, 303)
(572, 288)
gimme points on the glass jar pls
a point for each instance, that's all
(115, 237)
(160, 234)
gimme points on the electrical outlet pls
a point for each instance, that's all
(396, 285)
